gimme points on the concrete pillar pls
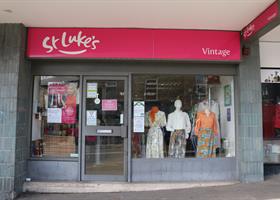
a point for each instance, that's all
(250, 136)
(15, 104)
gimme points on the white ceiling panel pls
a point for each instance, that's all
(175, 14)
(272, 36)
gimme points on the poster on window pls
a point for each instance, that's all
(109, 104)
(228, 115)
(54, 115)
(227, 95)
(138, 116)
(91, 90)
(91, 117)
(62, 96)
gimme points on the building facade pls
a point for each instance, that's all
(132, 105)
(106, 137)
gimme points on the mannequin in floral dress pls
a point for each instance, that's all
(155, 120)
(206, 129)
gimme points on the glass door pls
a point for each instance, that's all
(104, 131)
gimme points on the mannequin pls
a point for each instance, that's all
(206, 129)
(214, 107)
(155, 120)
(179, 124)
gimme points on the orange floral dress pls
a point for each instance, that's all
(205, 129)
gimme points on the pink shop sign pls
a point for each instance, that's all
(267, 16)
(114, 43)
(109, 104)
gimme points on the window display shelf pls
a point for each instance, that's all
(272, 158)
(272, 150)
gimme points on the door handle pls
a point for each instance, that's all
(124, 131)
(104, 131)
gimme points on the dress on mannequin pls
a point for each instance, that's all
(156, 120)
(215, 108)
(179, 124)
(206, 128)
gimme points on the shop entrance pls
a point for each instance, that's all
(104, 128)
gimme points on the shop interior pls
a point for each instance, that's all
(270, 78)
(55, 134)
(159, 93)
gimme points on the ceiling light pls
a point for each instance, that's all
(8, 11)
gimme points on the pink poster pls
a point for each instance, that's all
(109, 104)
(63, 97)
(56, 94)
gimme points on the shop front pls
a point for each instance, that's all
(270, 103)
(265, 29)
(133, 104)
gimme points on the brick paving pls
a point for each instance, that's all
(267, 190)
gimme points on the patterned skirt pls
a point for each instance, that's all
(177, 144)
(154, 147)
(206, 144)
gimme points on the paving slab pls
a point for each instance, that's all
(92, 187)
(267, 190)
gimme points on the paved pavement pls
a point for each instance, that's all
(267, 190)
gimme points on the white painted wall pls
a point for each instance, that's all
(227, 127)
(270, 54)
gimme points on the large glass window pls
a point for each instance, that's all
(271, 114)
(55, 131)
(180, 116)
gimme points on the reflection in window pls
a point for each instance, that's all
(55, 116)
(183, 116)
(271, 114)
(104, 155)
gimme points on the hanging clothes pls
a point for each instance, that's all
(268, 120)
(277, 116)
(192, 116)
(206, 128)
(136, 145)
(154, 145)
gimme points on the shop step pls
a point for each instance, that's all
(90, 187)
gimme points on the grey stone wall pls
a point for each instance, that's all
(15, 94)
(190, 169)
(249, 136)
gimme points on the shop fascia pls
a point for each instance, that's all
(133, 44)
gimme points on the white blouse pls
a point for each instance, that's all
(178, 121)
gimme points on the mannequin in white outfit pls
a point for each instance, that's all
(179, 124)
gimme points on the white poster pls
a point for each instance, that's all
(121, 118)
(139, 108)
(91, 117)
(138, 116)
(54, 115)
(91, 90)
(138, 124)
